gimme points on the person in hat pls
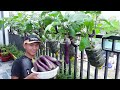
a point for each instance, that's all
(21, 68)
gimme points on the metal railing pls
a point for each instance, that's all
(77, 67)
(79, 72)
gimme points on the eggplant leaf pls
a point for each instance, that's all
(84, 43)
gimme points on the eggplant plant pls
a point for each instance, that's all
(69, 25)
(59, 25)
(94, 51)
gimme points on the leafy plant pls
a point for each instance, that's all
(112, 29)
(13, 50)
(56, 25)
(4, 52)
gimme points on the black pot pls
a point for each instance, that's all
(42, 45)
(53, 46)
(95, 57)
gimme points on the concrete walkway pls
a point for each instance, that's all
(5, 69)
(111, 70)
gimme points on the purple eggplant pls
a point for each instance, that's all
(43, 65)
(46, 61)
(35, 66)
(40, 68)
(52, 64)
(66, 48)
(51, 58)
(54, 60)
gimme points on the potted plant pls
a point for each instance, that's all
(5, 55)
(94, 50)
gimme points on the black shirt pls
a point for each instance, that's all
(21, 67)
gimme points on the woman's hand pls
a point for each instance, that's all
(32, 76)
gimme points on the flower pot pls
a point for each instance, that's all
(95, 57)
(6, 58)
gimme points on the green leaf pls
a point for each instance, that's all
(47, 20)
(29, 26)
(43, 38)
(1, 23)
(76, 27)
(84, 43)
(54, 23)
(109, 23)
(19, 14)
(77, 17)
(54, 13)
(48, 28)
(44, 13)
(15, 17)
(72, 32)
(97, 31)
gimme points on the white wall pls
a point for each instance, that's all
(6, 14)
(111, 14)
(1, 34)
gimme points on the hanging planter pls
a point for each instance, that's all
(95, 56)
(71, 50)
(68, 50)
(53, 46)
(42, 46)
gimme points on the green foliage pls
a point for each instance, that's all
(4, 52)
(13, 49)
(56, 25)
(67, 75)
(112, 28)
(84, 43)
(64, 76)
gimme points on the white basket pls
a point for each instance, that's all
(47, 74)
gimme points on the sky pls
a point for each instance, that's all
(108, 14)
(105, 14)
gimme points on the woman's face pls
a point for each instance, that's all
(31, 48)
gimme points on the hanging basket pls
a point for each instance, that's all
(53, 46)
(71, 49)
(95, 57)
